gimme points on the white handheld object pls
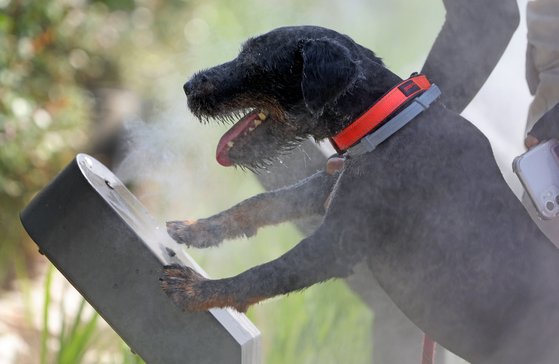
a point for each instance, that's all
(538, 171)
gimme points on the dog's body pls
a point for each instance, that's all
(428, 209)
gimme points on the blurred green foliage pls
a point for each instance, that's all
(74, 337)
(53, 54)
(44, 103)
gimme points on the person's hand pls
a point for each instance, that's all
(531, 141)
(545, 128)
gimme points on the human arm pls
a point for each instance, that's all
(471, 42)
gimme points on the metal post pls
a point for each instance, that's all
(93, 229)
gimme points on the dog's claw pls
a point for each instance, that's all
(182, 285)
(199, 234)
(175, 229)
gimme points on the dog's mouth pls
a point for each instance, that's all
(241, 130)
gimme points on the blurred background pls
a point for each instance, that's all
(105, 77)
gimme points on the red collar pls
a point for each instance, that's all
(380, 111)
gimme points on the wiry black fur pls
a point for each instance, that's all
(428, 210)
(285, 77)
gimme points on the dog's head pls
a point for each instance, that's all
(283, 87)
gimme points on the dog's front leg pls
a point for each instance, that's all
(315, 259)
(304, 198)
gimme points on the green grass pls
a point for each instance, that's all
(46, 307)
(324, 324)
(74, 337)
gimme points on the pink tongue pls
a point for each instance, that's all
(222, 152)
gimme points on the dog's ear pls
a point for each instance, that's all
(328, 70)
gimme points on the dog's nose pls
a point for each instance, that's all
(187, 88)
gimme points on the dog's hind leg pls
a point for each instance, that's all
(304, 198)
(313, 260)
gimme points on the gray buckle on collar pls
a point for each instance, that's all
(417, 106)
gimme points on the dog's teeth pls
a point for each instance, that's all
(262, 116)
(251, 129)
(230, 144)
(257, 122)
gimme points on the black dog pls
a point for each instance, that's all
(428, 209)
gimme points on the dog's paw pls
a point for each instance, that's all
(199, 234)
(183, 286)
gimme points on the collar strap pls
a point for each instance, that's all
(391, 102)
(369, 142)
